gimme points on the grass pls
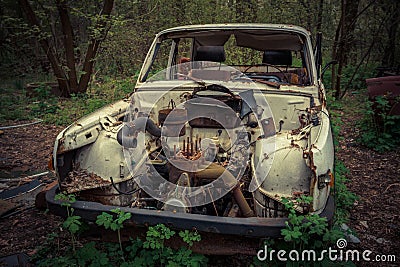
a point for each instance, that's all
(15, 105)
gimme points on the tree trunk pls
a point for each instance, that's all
(319, 16)
(390, 47)
(94, 46)
(68, 45)
(346, 38)
(58, 71)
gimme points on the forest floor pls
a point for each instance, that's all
(374, 177)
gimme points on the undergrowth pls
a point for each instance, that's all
(152, 251)
(380, 130)
(41, 104)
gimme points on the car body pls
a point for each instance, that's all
(388, 87)
(225, 121)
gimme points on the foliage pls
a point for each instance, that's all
(13, 106)
(302, 232)
(123, 51)
(107, 220)
(344, 197)
(379, 130)
(87, 255)
(190, 237)
(352, 78)
(48, 247)
(152, 252)
(308, 230)
(45, 102)
(60, 111)
(73, 222)
(116, 224)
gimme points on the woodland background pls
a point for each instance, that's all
(75, 40)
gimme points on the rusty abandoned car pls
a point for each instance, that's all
(225, 121)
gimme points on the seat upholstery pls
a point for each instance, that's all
(278, 57)
(210, 53)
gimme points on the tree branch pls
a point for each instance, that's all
(58, 72)
(94, 46)
(68, 44)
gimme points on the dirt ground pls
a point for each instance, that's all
(373, 177)
(24, 151)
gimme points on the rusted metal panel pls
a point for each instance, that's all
(251, 227)
(386, 86)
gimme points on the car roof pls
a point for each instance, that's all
(237, 26)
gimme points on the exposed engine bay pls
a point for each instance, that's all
(207, 151)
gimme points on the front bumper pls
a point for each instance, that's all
(250, 227)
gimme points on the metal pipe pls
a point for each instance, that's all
(215, 171)
(187, 147)
(126, 136)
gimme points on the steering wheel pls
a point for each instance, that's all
(285, 78)
(215, 88)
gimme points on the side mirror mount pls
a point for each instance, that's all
(318, 53)
(333, 62)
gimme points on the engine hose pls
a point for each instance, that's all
(129, 193)
(215, 171)
(126, 136)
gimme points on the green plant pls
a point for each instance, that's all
(189, 237)
(353, 77)
(156, 236)
(46, 248)
(344, 197)
(13, 102)
(89, 255)
(45, 103)
(116, 224)
(379, 130)
(73, 222)
(304, 230)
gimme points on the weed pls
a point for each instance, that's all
(73, 222)
(379, 130)
(304, 230)
(189, 237)
(151, 252)
(13, 104)
(89, 255)
(156, 236)
(308, 232)
(45, 103)
(344, 197)
(108, 221)
(352, 78)
(46, 248)
(155, 240)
